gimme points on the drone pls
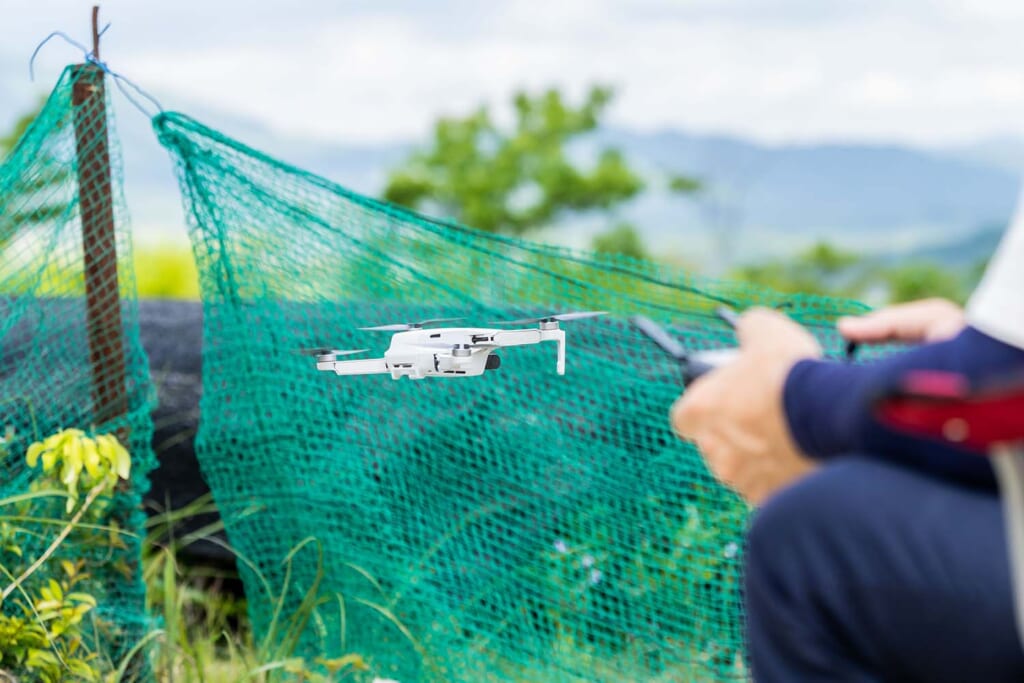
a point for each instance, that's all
(419, 351)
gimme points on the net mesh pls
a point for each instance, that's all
(515, 526)
(70, 354)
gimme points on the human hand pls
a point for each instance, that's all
(926, 320)
(735, 415)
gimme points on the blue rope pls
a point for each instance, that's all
(120, 81)
(55, 34)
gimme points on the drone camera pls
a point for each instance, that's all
(493, 362)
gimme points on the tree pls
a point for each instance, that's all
(517, 180)
(820, 269)
(684, 185)
(622, 239)
(8, 140)
(826, 270)
(29, 198)
(920, 279)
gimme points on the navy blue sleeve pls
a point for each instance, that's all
(828, 404)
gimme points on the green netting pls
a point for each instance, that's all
(70, 354)
(514, 526)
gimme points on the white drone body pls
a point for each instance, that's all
(417, 352)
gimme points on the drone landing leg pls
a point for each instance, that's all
(557, 336)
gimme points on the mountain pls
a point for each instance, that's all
(757, 199)
(865, 196)
(1001, 151)
(961, 253)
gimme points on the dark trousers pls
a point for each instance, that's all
(866, 571)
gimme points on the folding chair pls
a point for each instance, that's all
(988, 421)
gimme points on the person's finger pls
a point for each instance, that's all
(756, 324)
(895, 323)
(691, 410)
(767, 331)
(683, 416)
(910, 322)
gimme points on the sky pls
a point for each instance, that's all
(922, 72)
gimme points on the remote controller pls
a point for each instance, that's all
(696, 363)
(702, 362)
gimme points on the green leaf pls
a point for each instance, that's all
(82, 597)
(32, 455)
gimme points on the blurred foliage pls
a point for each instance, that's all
(622, 239)
(517, 180)
(21, 124)
(32, 195)
(821, 269)
(828, 270)
(681, 184)
(513, 181)
(917, 280)
(161, 272)
(166, 272)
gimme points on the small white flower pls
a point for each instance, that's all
(595, 577)
(561, 547)
(731, 549)
(587, 561)
(384, 680)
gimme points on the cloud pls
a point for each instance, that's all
(927, 71)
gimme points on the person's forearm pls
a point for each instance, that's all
(828, 404)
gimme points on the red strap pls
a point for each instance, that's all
(941, 405)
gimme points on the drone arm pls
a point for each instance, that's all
(517, 337)
(368, 366)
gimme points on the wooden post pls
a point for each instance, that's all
(99, 240)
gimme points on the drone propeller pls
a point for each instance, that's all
(321, 351)
(402, 327)
(560, 317)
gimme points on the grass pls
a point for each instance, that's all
(205, 635)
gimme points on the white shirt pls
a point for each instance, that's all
(997, 305)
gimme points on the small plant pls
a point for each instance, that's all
(46, 640)
(43, 624)
(76, 460)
